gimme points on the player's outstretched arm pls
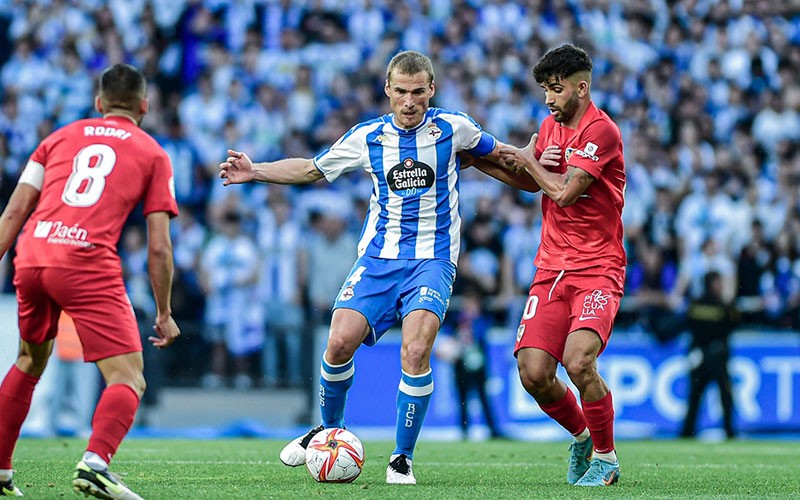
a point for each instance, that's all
(23, 201)
(517, 180)
(161, 270)
(238, 168)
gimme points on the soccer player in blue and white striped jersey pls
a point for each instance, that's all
(409, 244)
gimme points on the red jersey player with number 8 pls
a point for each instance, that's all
(82, 182)
(577, 161)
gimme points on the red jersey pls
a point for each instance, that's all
(589, 232)
(95, 173)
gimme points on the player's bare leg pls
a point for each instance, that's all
(413, 396)
(16, 393)
(348, 330)
(537, 372)
(580, 361)
(113, 418)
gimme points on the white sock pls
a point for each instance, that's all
(582, 436)
(6, 474)
(610, 457)
(94, 461)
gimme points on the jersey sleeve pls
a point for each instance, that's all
(40, 154)
(471, 137)
(33, 173)
(346, 155)
(160, 193)
(598, 145)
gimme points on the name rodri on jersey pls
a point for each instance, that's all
(414, 206)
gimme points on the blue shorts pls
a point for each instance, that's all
(385, 290)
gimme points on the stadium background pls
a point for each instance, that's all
(705, 92)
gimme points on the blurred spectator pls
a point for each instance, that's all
(710, 321)
(693, 268)
(191, 178)
(329, 252)
(281, 290)
(754, 261)
(464, 344)
(234, 322)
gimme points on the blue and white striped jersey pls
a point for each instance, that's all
(414, 207)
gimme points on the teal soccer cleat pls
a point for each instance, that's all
(600, 473)
(579, 456)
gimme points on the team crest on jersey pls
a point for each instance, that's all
(347, 293)
(410, 178)
(434, 132)
(588, 152)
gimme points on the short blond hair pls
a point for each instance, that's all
(410, 62)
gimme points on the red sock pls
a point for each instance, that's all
(112, 418)
(567, 413)
(16, 393)
(600, 419)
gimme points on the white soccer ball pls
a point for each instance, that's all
(335, 456)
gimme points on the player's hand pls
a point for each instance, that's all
(236, 169)
(167, 331)
(551, 156)
(515, 159)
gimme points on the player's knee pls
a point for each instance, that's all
(580, 369)
(534, 378)
(141, 385)
(133, 380)
(32, 359)
(339, 350)
(415, 355)
(27, 365)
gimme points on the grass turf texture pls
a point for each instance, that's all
(242, 468)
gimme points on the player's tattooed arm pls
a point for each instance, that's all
(563, 188)
(576, 182)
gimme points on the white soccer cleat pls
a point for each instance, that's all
(399, 471)
(294, 453)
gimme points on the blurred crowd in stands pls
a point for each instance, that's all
(706, 93)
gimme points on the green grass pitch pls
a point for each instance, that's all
(250, 468)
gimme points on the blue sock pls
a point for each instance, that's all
(334, 382)
(413, 398)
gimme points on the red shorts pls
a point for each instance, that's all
(96, 301)
(561, 302)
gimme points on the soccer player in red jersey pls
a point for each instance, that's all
(82, 182)
(578, 285)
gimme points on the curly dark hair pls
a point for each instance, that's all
(562, 62)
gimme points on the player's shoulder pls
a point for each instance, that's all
(451, 116)
(365, 127)
(602, 123)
